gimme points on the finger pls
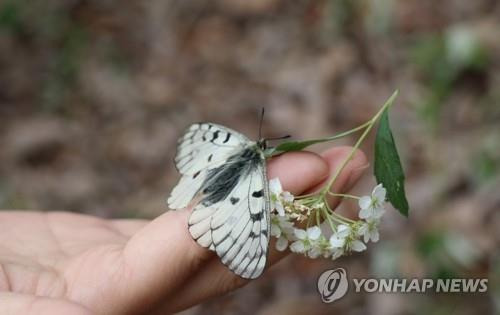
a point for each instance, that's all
(159, 257)
(295, 173)
(350, 173)
(128, 227)
(298, 171)
(16, 303)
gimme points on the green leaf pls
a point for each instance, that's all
(298, 145)
(387, 168)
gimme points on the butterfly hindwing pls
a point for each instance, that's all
(246, 253)
(237, 225)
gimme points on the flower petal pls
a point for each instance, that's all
(366, 237)
(365, 202)
(358, 246)
(313, 233)
(374, 236)
(337, 242)
(281, 244)
(363, 229)
(343, 230)
(275, 186)
(337, 253)
(365, 213)
(297, 247)
(300, 234)
(286, 226)
(279, 208)
(287, 196)
(379, 193)
(378, 212)
(275, 230)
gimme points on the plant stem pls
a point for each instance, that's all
(342, 218)
(368, 127)
(348, 132)
(343, 195)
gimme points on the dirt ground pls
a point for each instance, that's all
(94, 94)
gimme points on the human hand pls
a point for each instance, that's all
(65, 263)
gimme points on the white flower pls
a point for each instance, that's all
(278, 196)
(373, 206)
(282, 229)
(313, 233)
(343, 239)
(356, 245)
(369, 230)
(281, 225)
(320, 247)
(338, 239)
(298, 247)
(305, 239)
(287, 196)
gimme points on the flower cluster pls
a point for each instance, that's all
(334, 237)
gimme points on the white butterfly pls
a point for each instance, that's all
(224, 179)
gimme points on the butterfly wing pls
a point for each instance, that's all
(238, 226)
(203, 146)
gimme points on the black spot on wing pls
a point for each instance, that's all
(234, 200)
(196, 174)
(256, 216)
(228, 135)
(215, 135)
(210, 157)
(258, 194)
(253, 235)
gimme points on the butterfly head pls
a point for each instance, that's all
(262, 144)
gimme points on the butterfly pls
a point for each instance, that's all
(224, 180)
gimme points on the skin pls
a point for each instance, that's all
(66, 263)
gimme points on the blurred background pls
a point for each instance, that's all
(93, 95)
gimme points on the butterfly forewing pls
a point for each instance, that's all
(202, 147)
(224, 179)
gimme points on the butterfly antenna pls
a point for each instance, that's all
(279, 138)
(261, 121)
